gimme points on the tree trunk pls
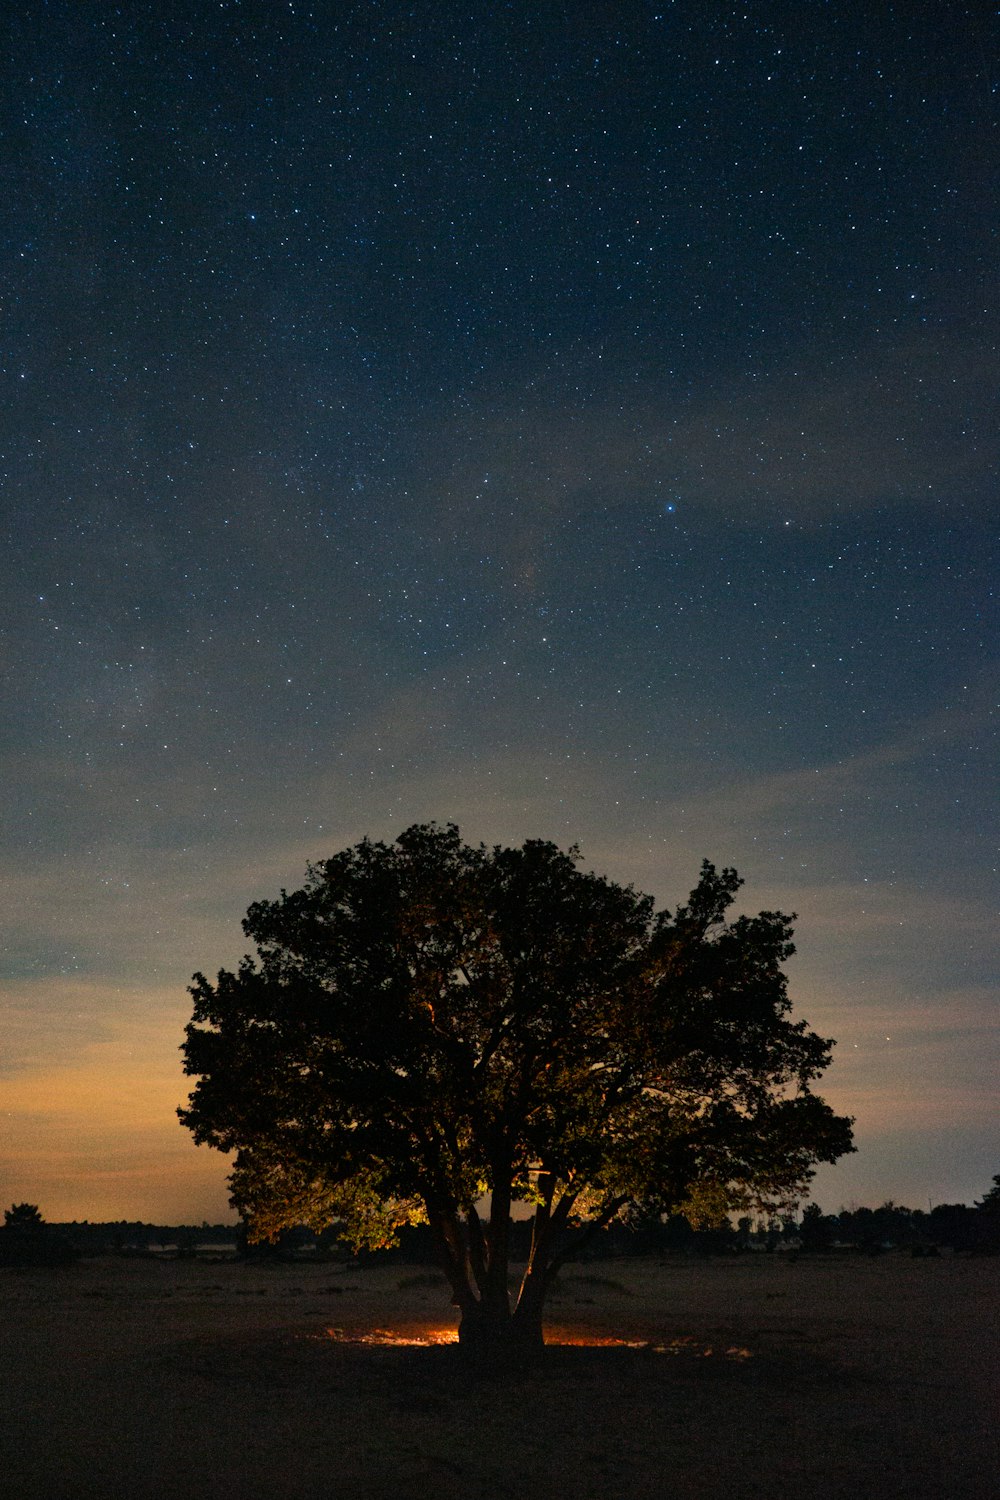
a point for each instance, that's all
(496, 1340)
(476, 1262)
(527, 1317)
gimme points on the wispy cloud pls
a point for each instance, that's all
(796, 441)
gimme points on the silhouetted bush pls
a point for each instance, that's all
(26, 1239)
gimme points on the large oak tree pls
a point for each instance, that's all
(431, 1032)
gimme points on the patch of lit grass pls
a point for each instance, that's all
(395, 1338)
(429, 1337)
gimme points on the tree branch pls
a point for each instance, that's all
(590, 1229)
(454, 1254)
(478, 1251)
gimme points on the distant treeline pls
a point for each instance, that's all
(27, 1239)
(125, 1237)
(952, 1226)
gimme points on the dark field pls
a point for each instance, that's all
(752, 1376)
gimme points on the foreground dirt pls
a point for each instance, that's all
(754, 1376)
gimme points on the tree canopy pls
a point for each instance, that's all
(990, 1201)
(431, 1032)
(23, 1216)
(26, 1239)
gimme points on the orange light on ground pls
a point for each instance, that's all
(683, 1345)
(566, 1338)
(399, 1338)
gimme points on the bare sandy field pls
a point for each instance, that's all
(751, 1376)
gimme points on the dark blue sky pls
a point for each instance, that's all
(572, 420)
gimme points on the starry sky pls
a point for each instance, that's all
(573, 420)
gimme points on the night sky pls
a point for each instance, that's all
(570, 420)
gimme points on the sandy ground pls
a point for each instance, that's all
(751, 1376)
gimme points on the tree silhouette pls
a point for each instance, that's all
(432, 1031)
(22, 1216)
(26, 1239)
(988, 1218)
(817, 1229)
(990, 1201)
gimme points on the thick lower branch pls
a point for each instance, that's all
(587, 1233)
(494, 1286)
(453, 1253)
(478, 1248)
